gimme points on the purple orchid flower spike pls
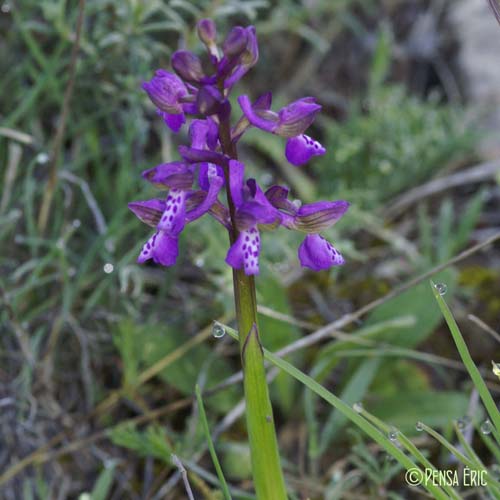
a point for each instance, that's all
(171, 96)
(210, 158)
(252, 208)
(290, 122)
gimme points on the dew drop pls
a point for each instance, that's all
(218, 331)
(199, 262)
(393, 434)
(76, 223)
(5, 8)
(60, 244)
(108, 268)
(43, 157)
(441, 288)
(486, 427)
(419, 426)
(358, 407)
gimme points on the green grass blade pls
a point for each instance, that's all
(474, 373)
(352, 415)
(211, 448)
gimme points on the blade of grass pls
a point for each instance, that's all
(352, 415)
(408, 444)
(211, 449)
(474, 373)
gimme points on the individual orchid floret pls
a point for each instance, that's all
(290, 122)
(168, 92)
(171, 216)
(251, 209)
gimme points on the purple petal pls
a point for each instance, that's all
(170, 175)
(207, 172)
(268, 123)
(173, 122)
(204, 134)
(244, 253)
(210, 198)
(317, 253)
(173, 219)
(314, 217)
(162, 248)
(278, 197)
(301, 149)
(295, 118)
(149, 211)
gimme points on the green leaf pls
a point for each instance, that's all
(436, 409)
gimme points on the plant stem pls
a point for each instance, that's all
(268, 477)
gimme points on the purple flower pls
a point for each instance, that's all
(315, 251)
(162, 247)
(290, 122)
(168, 93)
(251, 208)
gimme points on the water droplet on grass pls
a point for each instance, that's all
(218, 331)
(419, 426)
(393, 434)
(486, 427)
(42, 158)
(441, 288)
(5, 8)
(108, 268)
(76, 223)
(358, 407)
(199, 262)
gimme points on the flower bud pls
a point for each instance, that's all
(165, 91)
(187, 66)
(235, 42)
(207, 32)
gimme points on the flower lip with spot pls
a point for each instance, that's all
(299, 150)
(316, 253)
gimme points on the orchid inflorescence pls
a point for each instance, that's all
(211, 161)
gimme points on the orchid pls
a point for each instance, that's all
(204, 97)
(198, 93)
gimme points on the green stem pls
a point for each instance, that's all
(268, 477)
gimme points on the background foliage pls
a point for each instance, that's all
(100, 357)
